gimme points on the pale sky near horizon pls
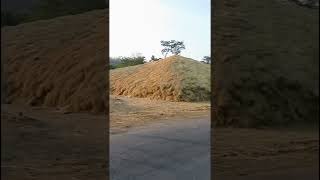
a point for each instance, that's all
(138, 26)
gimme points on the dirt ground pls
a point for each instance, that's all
(41, 143)
(131, 112)
(256, 153)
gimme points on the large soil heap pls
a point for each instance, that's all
(266, 63)
(175, 78)
(59, 62)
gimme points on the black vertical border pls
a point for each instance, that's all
(212, 102)
(107, 38)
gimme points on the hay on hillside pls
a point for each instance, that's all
(175, 78)
(266, 67)
(58, 62)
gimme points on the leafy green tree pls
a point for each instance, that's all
(121, 62)
(153, 58)
(206, 59)
(173, 46)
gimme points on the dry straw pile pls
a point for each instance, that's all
(58, 62)
(175, 78)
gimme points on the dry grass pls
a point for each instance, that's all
(58, 62)
(175, 79)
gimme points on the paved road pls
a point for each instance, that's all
(169, 150)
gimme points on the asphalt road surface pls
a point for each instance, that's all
(170, 150)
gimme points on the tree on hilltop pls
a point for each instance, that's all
(206, 59)
(173, 47)
(153, 58)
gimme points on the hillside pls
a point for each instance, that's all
(175, 78)
(57, 63)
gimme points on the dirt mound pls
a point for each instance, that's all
(58, 62)
(175, 78)
(266, 68)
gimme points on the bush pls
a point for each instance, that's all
(121, 62)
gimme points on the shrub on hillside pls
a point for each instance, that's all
(121, 62)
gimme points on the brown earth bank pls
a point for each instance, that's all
(56, 63)
(266, 68)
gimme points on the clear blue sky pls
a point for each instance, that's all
(138, 26)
